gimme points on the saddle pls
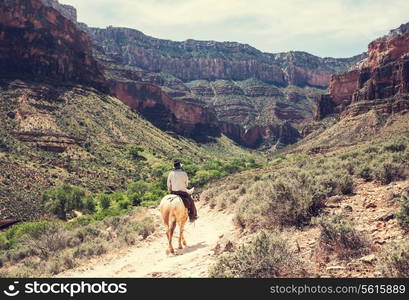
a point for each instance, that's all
(184, 196)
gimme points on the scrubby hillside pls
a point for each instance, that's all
(71, 134)
(88, 135)
(343, 213)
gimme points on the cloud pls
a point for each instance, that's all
(337, 28)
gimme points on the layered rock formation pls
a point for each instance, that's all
(195, 88)
(249, 91)
(256, 136)
(380, 82)
(189, 119)
(210, 60)
(67, 11)
(37, 41)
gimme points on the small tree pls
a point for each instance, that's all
(104, 201)
(136, 191)
(134, 153)
(63, 199)
(88, 204)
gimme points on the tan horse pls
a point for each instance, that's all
(174, 213)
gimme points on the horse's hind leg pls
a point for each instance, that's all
(182, 235)
(171, 230)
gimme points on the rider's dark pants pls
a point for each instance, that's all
(188, 202)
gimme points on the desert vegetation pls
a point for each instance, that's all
(81, 224)
(47, 248)
(109, 145)
(395, 260)
(294, 190)
(403, 214)
(339, 235)
(266, 256)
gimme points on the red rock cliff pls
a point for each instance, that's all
(37, 41)
(384, 75)
(256, 136)
(189, 119)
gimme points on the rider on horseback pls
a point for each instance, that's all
(177, 185)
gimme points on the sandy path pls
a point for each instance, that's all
(149, 259)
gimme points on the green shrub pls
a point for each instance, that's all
(145, 227)
(125, 203)
(14, 235)
(236, 166)
(133, 152)
(348, 166)
(117, 197)
(338, 234)
(365, 173)
(56, 237)
(81, 221)
(88, 204)
(387, 172)
(394, 260)
(189, 169)
(371, 150)
(136, 191)
(203, 177)
(149, 203)
(213, 165)
(107, 212)
(68, 261)
(104, 201)
(89, 232)
(345, 184)
(63, 199)
(4, 242)
(292, 199)
(395, 147)
(403, 214)
(18, 254)
(267, 256)
(135, 199)
(55, 267)
(327, 184)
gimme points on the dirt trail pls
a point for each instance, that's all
(148, 259)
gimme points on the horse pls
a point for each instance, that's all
(174, 213)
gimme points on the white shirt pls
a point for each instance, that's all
(178, 181)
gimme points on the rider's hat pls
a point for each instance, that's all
(177, 164)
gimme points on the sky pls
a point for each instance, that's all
(334, 28)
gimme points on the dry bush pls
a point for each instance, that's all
(403, 214)
(267, 256)
(394, 260)
(339, 235)
(387, 172)
(291, 199)
(53, 239)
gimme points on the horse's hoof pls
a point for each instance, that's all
(171, 251)
(180, 247)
